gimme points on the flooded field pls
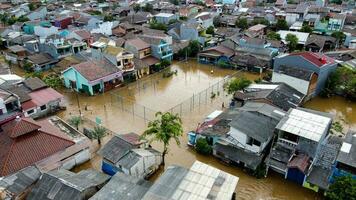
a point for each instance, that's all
(161, 94)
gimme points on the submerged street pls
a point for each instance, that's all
(143, 98)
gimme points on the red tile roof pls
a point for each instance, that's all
(318, 60)
(44, 96)
(83, 34)
(23, 143)
(138, 43)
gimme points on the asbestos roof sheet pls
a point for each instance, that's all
(123, 187)
(201, 181)
(305, 124)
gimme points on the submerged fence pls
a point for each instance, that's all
(212, 94)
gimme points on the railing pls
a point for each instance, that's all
(287, 142)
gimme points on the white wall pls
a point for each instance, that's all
(44, 32)
(299, 84)
(242, 138)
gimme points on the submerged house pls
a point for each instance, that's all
(123, 154)
(216, 55)
(320, 64)
(178, 183)
(300, 134)
(143, 58)
(92, 77)
(63, 184)
(252, 130)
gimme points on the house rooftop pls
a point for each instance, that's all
(63, 184)
(115, 149)
(34, 83)
(93, 70)
(306, 124)
(123, 187)
(299, 73)
(164, 15)
(254, 125)
(25, 142)
(347, 154)
(19, 182)
(317, 59)
(138, 43)
(179, 183)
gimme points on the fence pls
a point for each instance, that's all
(212, 94)
(127, 105)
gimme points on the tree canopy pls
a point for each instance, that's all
(273, 36)
(306, 29)
(237, 84)
(341, 81)
(281, 24)
(292, 42)
(343, 188)
(98, 132)
(164, 128)
(210, 30)
(241, 23)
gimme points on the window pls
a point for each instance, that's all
(43, 107)
(251, 141)
(30, 112)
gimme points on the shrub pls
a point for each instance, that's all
(203, 147)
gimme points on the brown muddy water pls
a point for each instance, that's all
(160, 94)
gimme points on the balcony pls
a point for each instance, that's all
(287, 143)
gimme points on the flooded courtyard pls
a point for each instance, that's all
(129, 108)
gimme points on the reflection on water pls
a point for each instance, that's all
(192, 78)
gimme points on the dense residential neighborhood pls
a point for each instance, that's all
(177, 99)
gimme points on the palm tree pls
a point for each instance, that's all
(167, 126)
(98, 133)
(75, 121)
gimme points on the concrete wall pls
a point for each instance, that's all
(242, 138)
(299, 62)
(299, 84)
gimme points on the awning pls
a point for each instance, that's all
(150, 60)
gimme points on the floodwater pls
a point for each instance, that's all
(160, 94)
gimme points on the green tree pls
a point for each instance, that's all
(242, 23)
(217, 21)
(148, 7)
(343, 188)
(281, 25)
(136, 7)
(210, 30)
(165, 63)
(37, 74)
(108, 18)
(273, 36)
(194, 48)
(341, 81)
(339, 2)
(4, 18)
(306, 29)
(339, 36)
(158, 26)
(237, 84)
(260, 21)
(98, 133)
(23, 19)
(32, 6)
(292, 42)
(203, 147)
(75, 121)
(166, 127)
(175, 2)
(53, 81)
